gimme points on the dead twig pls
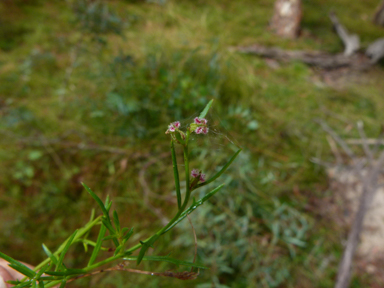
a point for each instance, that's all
(185, 275)
(340, 141)
(351, 41)
(368, 141)
(367, 151)
(334, 149)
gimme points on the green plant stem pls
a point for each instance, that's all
(187, 188)
(87, 269)
(79, 234)
(176, 175)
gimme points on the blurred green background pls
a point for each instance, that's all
(87, 89)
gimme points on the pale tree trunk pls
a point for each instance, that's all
(287, 17)
(378, 18)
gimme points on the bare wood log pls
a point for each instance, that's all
(378, 18)
(287, 17)
(313, 58)
(351, 41)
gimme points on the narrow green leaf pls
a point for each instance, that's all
(125, 229)
(116, 221)
(97, 199)
(193, 207)
(65, 250)
(118, 249)
(21, 284)
(63, 283)
(18, 266)
(85, 243)
(106, 201)
(108, 207)
(76, 271)
(42, 271)
(113, 236)
(218, 174)
(23, 270)
(129, 234)
(206, 109)
(48, 278)
(176, 174)
(49, 254)
(109, 237)
(167, 259)
(99, 242)
(187, 185)
(14, 282)
(41, 284)
(92, 216)
(145, 246)
(67, 272)
(108, 225)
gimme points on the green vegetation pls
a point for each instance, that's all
(86, 92)
(43, 274)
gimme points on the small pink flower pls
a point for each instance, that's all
(202, 130)
(195, 173)
(172, 127)
(202, 177)
(201, 121)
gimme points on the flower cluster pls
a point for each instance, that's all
(197, 174)
(173, 126)
(201, 125)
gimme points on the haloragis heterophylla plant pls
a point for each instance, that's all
(53, 272)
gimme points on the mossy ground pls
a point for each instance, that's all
(87, 96)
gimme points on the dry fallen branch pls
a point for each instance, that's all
(369, 141)
(369, 188)
(313, 58)
(349, 59)
(368, 170)
(185, 275)
(351, 41)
